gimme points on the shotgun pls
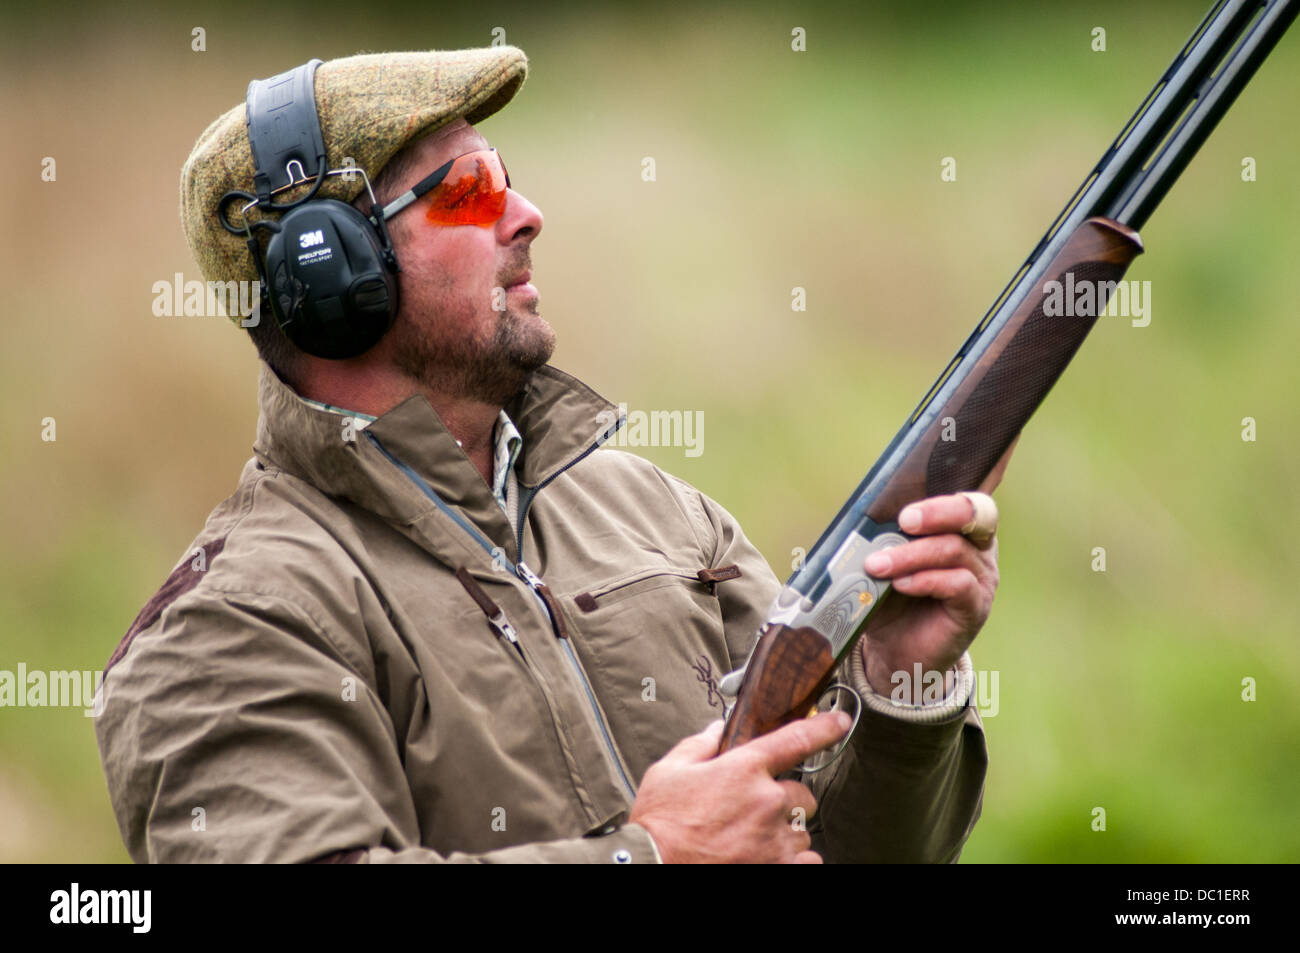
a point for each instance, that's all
(1000, 375)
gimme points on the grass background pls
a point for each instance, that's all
(776, 169)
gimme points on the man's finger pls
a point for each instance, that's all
(945, 514)
(949, 551)
(958, 587)
(798, 798)
(983, 524)
(787, 747)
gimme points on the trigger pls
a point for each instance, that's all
(836, 693)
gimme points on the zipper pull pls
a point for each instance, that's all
(503, 626)
(496, 616)
(530, 577)
(548, 599)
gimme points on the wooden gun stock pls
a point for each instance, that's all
(788, 670)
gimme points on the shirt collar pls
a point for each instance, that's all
(508, 445)
(358, 416)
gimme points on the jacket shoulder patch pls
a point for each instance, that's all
(182, 579)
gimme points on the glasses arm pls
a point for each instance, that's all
(420, 189)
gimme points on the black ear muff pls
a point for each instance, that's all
(329, 270)
(331, 290)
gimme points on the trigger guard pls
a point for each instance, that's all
(829, 758)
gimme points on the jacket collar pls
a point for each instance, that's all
(558, 416)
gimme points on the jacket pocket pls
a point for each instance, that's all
(653, 644)
(637, 583)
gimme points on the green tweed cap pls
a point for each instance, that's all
(370, 106)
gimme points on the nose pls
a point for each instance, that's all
(523, 219)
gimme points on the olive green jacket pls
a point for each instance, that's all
(351, 663)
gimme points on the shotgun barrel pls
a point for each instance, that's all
(1000, 375)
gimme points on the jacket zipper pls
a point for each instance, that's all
(535, 583)
(541, 592)
(530, 578)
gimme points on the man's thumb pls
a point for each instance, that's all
(698, 747)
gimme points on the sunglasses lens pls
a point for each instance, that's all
(473, 193)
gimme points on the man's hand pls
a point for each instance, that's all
(730, 809)
(947, 583)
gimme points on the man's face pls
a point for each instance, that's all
(448, 336)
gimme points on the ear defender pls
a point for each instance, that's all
(330, 272)
(331, 291)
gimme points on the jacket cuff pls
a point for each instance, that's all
(950, 708)
(640, 847)
(616, 844)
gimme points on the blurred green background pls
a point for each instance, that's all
(775, 169)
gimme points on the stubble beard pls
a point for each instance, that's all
(492, 373)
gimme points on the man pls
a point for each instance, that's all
(432, 623)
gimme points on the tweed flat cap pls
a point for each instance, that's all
(370, 106)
